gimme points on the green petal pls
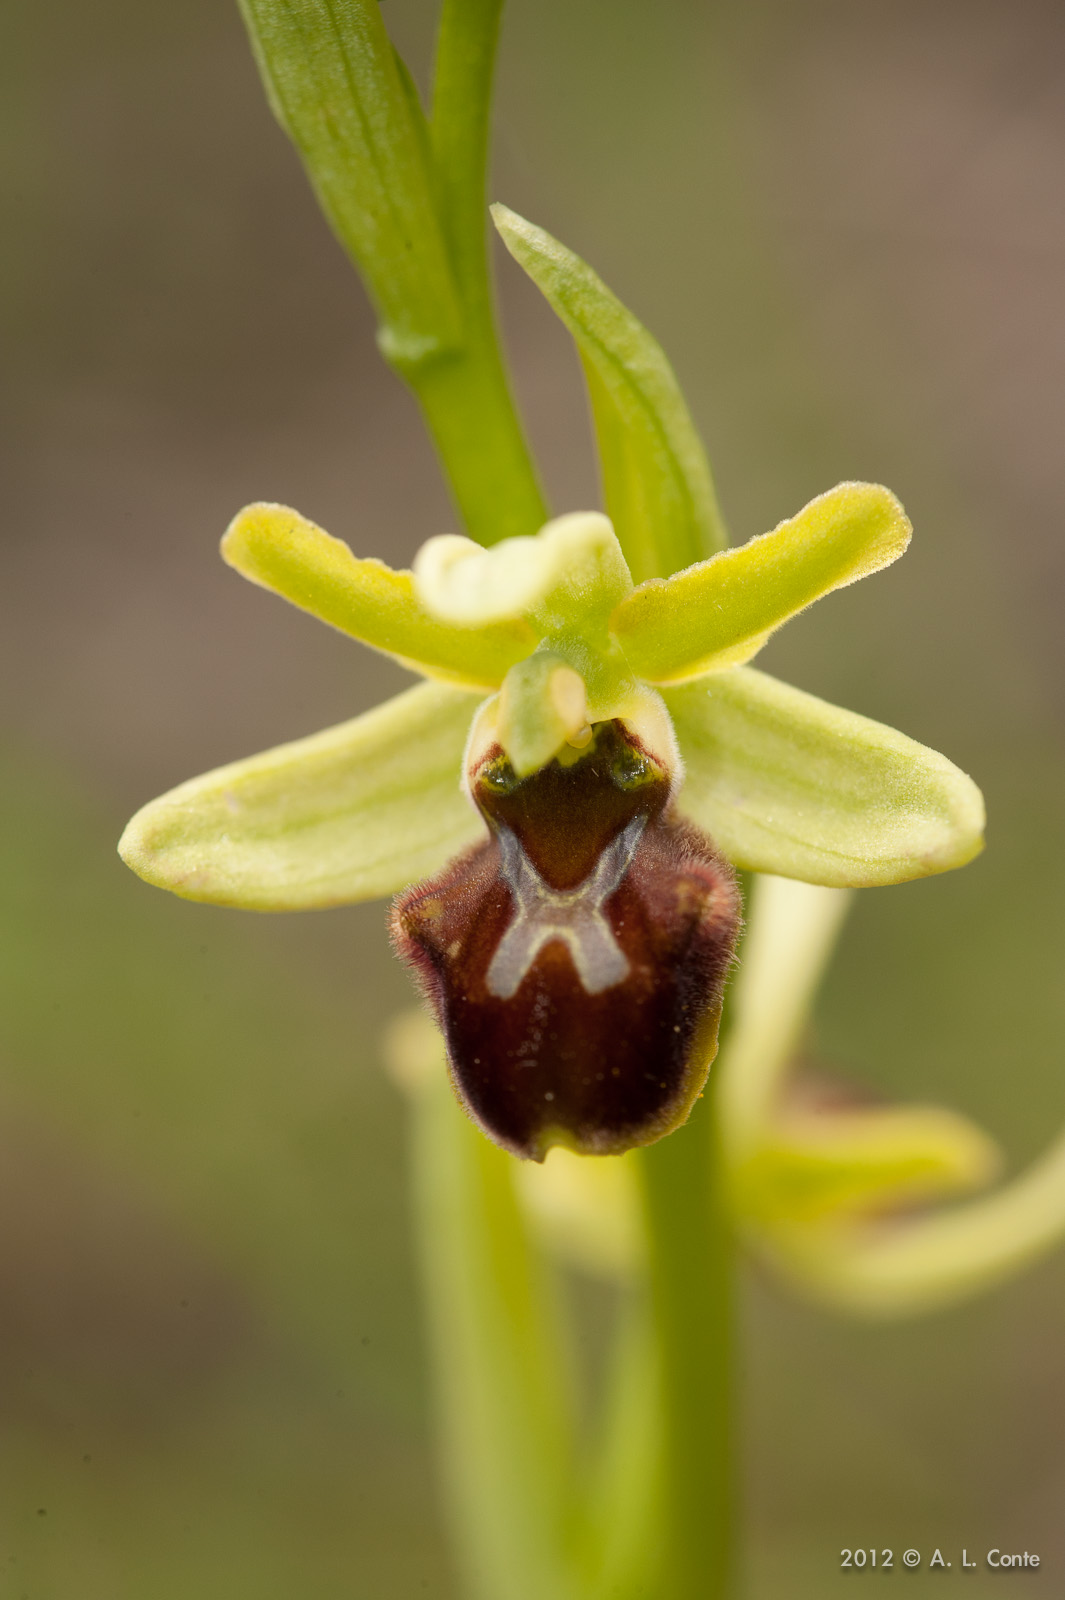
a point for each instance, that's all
(722, 611)
(788, 784)
(280, 550)
(656, 481)
(571, 569)
(863, 1161)
(933, 1260)
(358, 811)
(927, 1261)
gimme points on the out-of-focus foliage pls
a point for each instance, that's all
(210, 1369)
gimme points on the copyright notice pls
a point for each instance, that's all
(884, 1560)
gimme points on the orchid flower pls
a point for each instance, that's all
(566, 790)
(561, 807)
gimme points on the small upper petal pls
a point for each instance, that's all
(720, 612)
(461, 582)
(280, 550)
(572, 568)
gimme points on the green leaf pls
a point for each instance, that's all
(334, 85)
(278, 549)
(358, 811)
(656, 481)
(467, 399)
(722, 611)
(788, 784)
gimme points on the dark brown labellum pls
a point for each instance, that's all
(576, 960)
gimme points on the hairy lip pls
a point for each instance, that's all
(577, 1009)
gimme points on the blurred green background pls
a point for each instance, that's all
(845, 223)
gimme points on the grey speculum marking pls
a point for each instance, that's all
(575, 916)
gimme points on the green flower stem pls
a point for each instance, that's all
(619, 1541)
(462, 97)
(502, 1377)
(468, 409)
(407, 202)
(466, 396)
(691, 1288)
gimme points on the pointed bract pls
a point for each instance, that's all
(657, 486)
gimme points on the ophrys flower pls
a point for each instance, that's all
(586, 751)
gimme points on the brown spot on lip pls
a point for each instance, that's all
(614, 781)
(524, 1064)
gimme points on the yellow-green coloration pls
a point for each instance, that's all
(349, 814)
(818, 1163)
(564, 584)
(722, 611)
(782, 782)
(838, 1199)
(657, 486)
(405, 196)
(543, 705)
(789, 784)
(361, 138)
(280, 550)
(553, 630)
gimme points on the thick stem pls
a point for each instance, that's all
(470, 413)
(408, 203)
(501, 1374)
(466, 396)
(691, 1287)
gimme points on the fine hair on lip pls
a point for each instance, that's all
(576, 960)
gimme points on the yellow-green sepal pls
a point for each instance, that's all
(280, 550)
(657, 486)
(860, 1162)
(358, 811)
(785, 783)
(927, 1260)
(721, 611)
